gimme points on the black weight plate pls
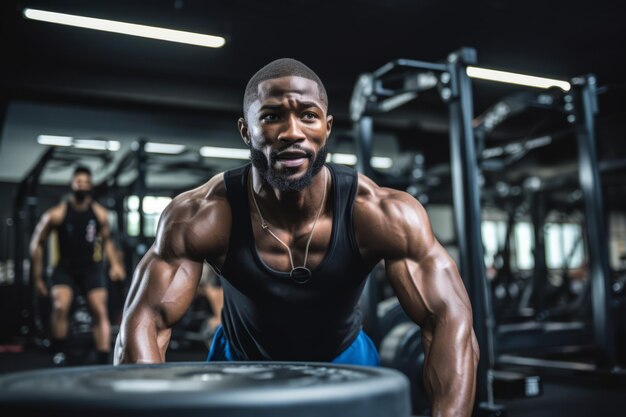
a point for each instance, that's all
(402, 350)
(390, 313)
(232, 389)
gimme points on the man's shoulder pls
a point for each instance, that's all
(372, 197)
(196, 222)
(56, 214)
(205, 207)
(388, 221)
(100, 211)
(211, 194)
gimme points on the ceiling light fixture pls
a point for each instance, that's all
(342, 158)
(381, 162)
(97, 144)
(227, 153)
(165, 148)
(124, 28)
(94, 144)
(514, 78)
(51, 140)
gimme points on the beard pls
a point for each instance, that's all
(81, 195)
(280, 180)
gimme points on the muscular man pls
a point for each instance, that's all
(293, 239)
(82, 229)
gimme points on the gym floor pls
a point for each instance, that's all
(567, 395)
(572, 396)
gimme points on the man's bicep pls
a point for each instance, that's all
(428, 286)
(443, 283)
(405, 277)
(42, 230)
(167, 277)
(163, 288)
(102, 216)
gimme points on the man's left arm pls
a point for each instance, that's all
(116, 269)
(432, 293)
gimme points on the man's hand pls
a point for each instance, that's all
(40, 287)
(117, 272)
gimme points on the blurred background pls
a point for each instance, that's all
(152, 118)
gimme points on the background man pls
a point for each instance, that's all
(83, 231)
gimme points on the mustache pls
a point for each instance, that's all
(292, 148)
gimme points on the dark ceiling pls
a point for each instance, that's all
(338, 39)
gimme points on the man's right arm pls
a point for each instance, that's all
(37, 241)
(192, 228)
(163, 288)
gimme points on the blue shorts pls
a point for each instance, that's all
(361, 352)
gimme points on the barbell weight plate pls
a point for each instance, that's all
(390, 313)
(218, 389)
(402, 350)
(368, 303)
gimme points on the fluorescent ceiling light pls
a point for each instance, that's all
(155, 204)
(513, 78)
(350, 159)
(52, 140)
(97, 144)
(227, 153)
(166, 148)
(381, 162)
(132, 29)
(342, 158)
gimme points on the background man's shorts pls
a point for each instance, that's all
(79, 279)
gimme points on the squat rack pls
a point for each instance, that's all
(371, 97)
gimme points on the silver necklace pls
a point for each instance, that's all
(300, 274)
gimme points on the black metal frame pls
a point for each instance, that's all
(584, 98)
(455, 89)
(467, 211)
(580, 106)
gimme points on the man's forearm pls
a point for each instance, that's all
(140, 343)
(109, 250)
(37, 262)
(450, 369)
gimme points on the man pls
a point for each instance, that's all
(293, 239)
(82, 229)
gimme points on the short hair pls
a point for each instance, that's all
(81, 169)
(283, 67)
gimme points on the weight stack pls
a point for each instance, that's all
(217, 389)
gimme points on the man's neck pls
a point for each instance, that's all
(80, 206)
(289, 209)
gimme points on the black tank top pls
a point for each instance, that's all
(266, 315)
(79, 238)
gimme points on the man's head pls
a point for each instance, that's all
(283, 67)
(81, 183)
(286, 124)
